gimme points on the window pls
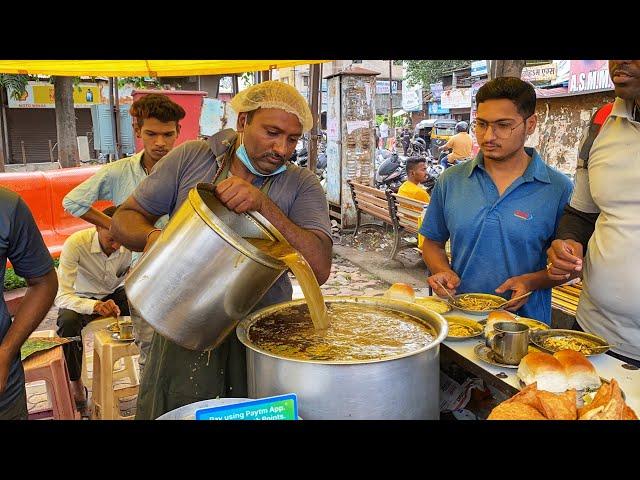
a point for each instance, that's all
(305, 81)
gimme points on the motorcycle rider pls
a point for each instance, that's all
(460, 144)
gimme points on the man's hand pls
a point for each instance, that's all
(519, 286)
(448, 278)
(239, 195)
(565, 259)
(106, 309)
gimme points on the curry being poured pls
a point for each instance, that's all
(304, 274)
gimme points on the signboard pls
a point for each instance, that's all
(281, 407)
(41, 95)
(436, 90)
(435, 108)
(589, 76)
(456, 98)
(382, 86)
(539, 73)
(412, 98)
(478, 68)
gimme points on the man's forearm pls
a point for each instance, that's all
(576, 225)
(97, 218)
(435, 256)
(35, 305)
(315, 251)
(131, 228)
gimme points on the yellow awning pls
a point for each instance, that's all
(143, 68)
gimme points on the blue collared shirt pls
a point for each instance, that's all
(495, 237)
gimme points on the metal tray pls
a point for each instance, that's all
(596, 344)
(485, 354)
(441, 306)
(534, 325)
(477, 328)
(486, 296)
(116, 336)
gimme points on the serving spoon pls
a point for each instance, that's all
(453, 299)
(519, 297)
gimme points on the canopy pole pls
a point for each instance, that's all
(114, 132)
(315, 101)
(118, 139)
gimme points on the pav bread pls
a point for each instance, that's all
(401, 291)
(497, 316)
(544, 369)
(581, 374)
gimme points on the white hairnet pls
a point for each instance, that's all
(274, 94)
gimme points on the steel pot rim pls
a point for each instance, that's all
(406, 307)
(231, 237)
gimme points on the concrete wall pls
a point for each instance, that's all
(560, 124)
(32, 167)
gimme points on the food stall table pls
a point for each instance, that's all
(505, 380)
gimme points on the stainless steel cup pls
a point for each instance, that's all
(509, 342)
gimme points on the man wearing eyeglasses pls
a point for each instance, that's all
(500, 210)
(599, 233)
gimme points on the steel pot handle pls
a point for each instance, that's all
(492, 337)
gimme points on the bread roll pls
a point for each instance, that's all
(544, 369)
(497, 316)
(401, 291)
(581, 374)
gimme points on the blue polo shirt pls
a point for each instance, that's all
(494, 237)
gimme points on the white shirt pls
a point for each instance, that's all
(384, 130)
(85, 271)
(610, 302)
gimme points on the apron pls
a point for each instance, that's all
(175, 376)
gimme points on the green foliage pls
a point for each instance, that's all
(247, 77)
(424, 72)
(13, 281)
(16, 83)
(139, 82)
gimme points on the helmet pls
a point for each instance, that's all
(462, 127)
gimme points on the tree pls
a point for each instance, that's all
(66, 122)
(505, 68)
(424, 72)
(17, 84)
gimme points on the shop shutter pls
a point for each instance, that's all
(35, 127)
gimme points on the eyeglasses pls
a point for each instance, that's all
(501, 130)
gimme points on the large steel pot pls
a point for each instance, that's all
(404, 387)
(201, 276)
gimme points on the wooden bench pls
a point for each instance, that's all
(406, 213)
(565, 298)
(371, 201)
(401, 213)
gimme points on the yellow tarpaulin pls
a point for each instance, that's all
(143, 68)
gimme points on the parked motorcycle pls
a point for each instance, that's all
(391, 173)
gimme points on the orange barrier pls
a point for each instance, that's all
(43, 193)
